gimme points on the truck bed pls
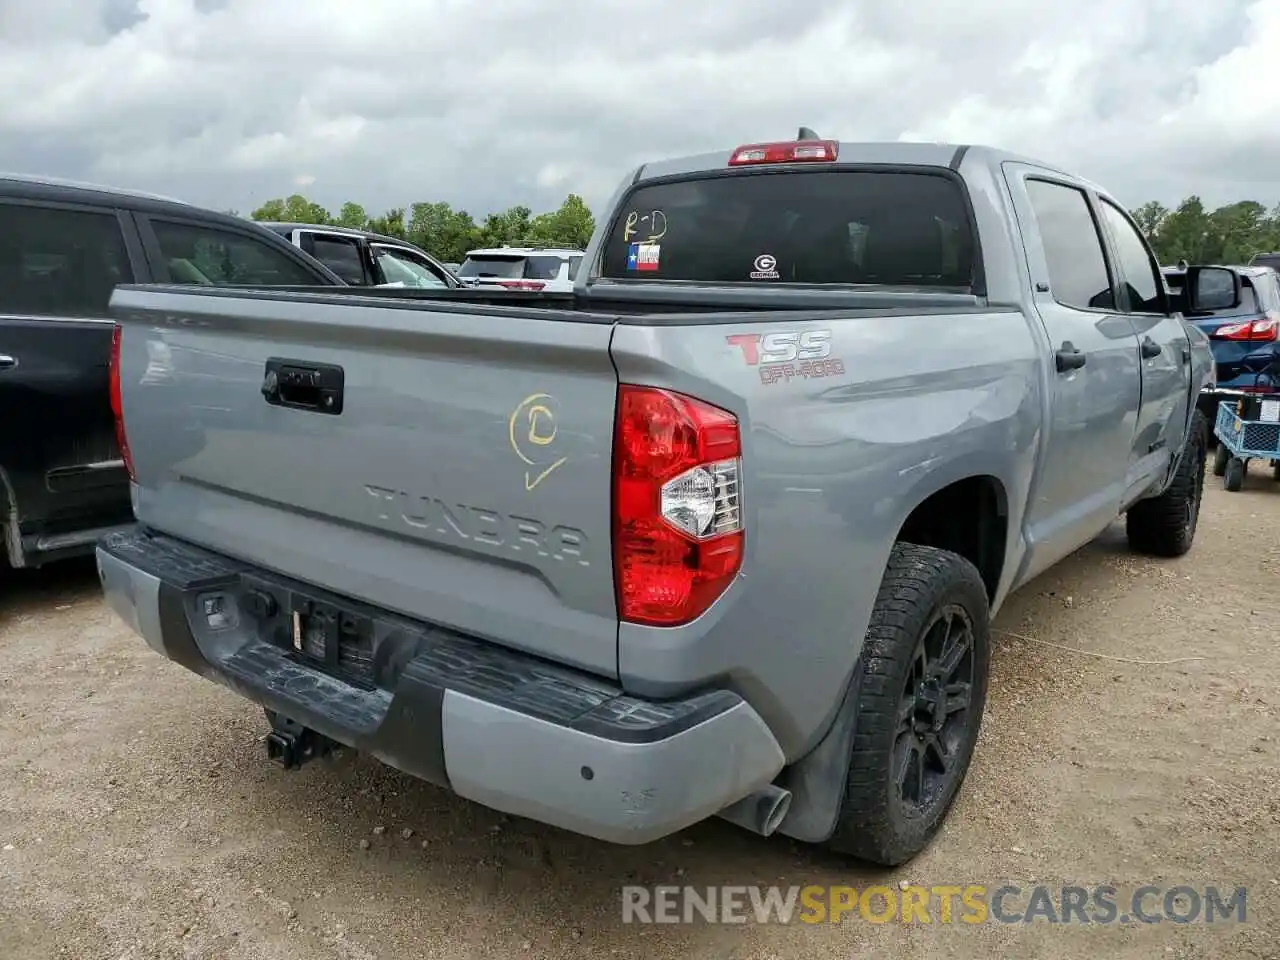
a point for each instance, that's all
(467, 480)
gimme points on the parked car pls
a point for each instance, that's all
(541, 269)
(1243, 337)
(364, 259)
(721, 533)
(63, 248)
(1270, 260)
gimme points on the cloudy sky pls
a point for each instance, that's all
(227, 103)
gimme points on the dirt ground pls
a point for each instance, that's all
(139, 817)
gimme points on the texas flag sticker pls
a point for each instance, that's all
(643, 256)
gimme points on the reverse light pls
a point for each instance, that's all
(1261, 331)
(677, 507)
(794, 151)
(117, 404)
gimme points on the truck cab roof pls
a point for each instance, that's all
(905, 153)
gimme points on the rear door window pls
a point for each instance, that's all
(203, 254)
(59, 262)
(342, 256)
(1072, 246)
(809, 227)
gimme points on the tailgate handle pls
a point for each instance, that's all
(302, 385)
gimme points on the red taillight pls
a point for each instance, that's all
(796, 151)
(523, 284)
(117, 405)
(677, 512)
(1250, 330)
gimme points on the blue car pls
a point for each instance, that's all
(1245, 339)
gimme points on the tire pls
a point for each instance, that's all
(1233, 480)
(926, 596)
(1220, 457)
(1275, 469)
(1165, 526)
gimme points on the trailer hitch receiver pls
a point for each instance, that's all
(291, 745)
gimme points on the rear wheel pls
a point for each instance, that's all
(1165, 526)
(1220, 457)
(1233, 480)
(924, 668)
(1275, 469)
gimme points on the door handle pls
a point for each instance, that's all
(7, 361)
(317, 387)
(1186, 355)
(1150, 349)
(1069, 357)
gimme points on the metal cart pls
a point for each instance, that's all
(1248, 429)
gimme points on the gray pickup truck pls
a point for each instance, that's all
(721, 532)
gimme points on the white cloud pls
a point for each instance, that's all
(225, 102)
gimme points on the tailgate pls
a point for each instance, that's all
(465, 479)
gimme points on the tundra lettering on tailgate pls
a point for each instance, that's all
(785, 355)
(451, 522)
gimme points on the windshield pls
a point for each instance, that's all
(830, 226)
(400, 267)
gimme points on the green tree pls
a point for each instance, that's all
(353, 215)
(570, 226)
(390, 224)
(510, 227)
(293, 209)
(1233, 233)
(1149, 216)
(443, 231)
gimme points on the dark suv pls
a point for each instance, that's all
(63, 248)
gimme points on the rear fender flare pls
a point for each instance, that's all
(817, 780)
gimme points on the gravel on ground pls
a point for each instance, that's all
(139, 817)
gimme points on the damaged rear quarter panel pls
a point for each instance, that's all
(833, 466)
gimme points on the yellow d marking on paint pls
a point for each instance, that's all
(540, 432)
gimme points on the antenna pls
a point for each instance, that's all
(807, 134)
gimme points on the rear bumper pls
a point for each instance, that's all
(497, 727)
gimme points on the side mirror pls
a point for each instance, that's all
(1212, 288)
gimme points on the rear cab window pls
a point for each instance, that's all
(886, 228)
(60, 262)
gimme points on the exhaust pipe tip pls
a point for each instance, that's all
(761, 812)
